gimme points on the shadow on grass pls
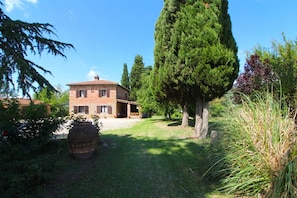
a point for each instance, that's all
(175, 122)
(128, 166)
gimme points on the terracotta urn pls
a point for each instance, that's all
(83, 139)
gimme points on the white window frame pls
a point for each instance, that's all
(103, 109)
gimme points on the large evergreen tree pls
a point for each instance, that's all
(145, 96)
(199, 62)
(135, 76)
(210, 49)
(125, 81)
(17, 39)
(168, 83)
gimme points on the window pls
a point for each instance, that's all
(81, 93)
(81, 109)
(104, 109)
(103, 93)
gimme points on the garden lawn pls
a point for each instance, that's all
(154, 158)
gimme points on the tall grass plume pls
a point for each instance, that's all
(258, 149)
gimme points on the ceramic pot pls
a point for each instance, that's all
(83, 139)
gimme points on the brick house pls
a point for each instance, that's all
(101, 97)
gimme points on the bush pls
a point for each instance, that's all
(22, 169)
(22, 172)
(258, 149)
(31, 128)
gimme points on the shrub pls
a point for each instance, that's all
(31, 128)
(258, 149)
(22, 170)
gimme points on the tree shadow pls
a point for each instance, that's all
(129, 166)
(175, 121)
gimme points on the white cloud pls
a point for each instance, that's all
(32, 1)
(11, 4)
(91, 74)
(94, 72)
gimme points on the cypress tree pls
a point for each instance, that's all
(208, 47)
(168, 87)
(199, 61)
(135, 76)
(125, 81)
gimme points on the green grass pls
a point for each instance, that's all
(154, 158)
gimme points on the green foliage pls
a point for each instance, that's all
(17, 39)
(166, 84)
(10, 115)
(135, 76)
(198, 55)
(31, 127)
(282, 56)
(23, 171)
(125, 81)
(218, 107)
(29, 134)
(145, 96)
(258, 148)
(58, 101)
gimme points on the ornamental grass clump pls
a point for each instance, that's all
(259, 145)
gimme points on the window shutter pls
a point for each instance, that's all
(85, 93)
(75, 109)
(86, 109)
(77, 93)
(107, 93)
(109, 110)
(99, 93)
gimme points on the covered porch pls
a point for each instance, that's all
(127, 109)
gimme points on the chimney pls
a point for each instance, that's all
(96, 77)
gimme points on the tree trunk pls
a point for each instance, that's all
(185, 119)
(198, 117)
(205, 114)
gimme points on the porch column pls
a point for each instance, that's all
(128, 110)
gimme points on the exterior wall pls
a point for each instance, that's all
(92, 99)
(122, 93)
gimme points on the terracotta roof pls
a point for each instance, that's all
(25, 101)
(94, 82)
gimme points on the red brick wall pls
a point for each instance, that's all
(93, 100)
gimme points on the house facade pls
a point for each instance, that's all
(104, 98)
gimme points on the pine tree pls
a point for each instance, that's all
(125, 81)
(17, 39)
(135, 76)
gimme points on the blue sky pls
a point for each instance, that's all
(108, 33)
